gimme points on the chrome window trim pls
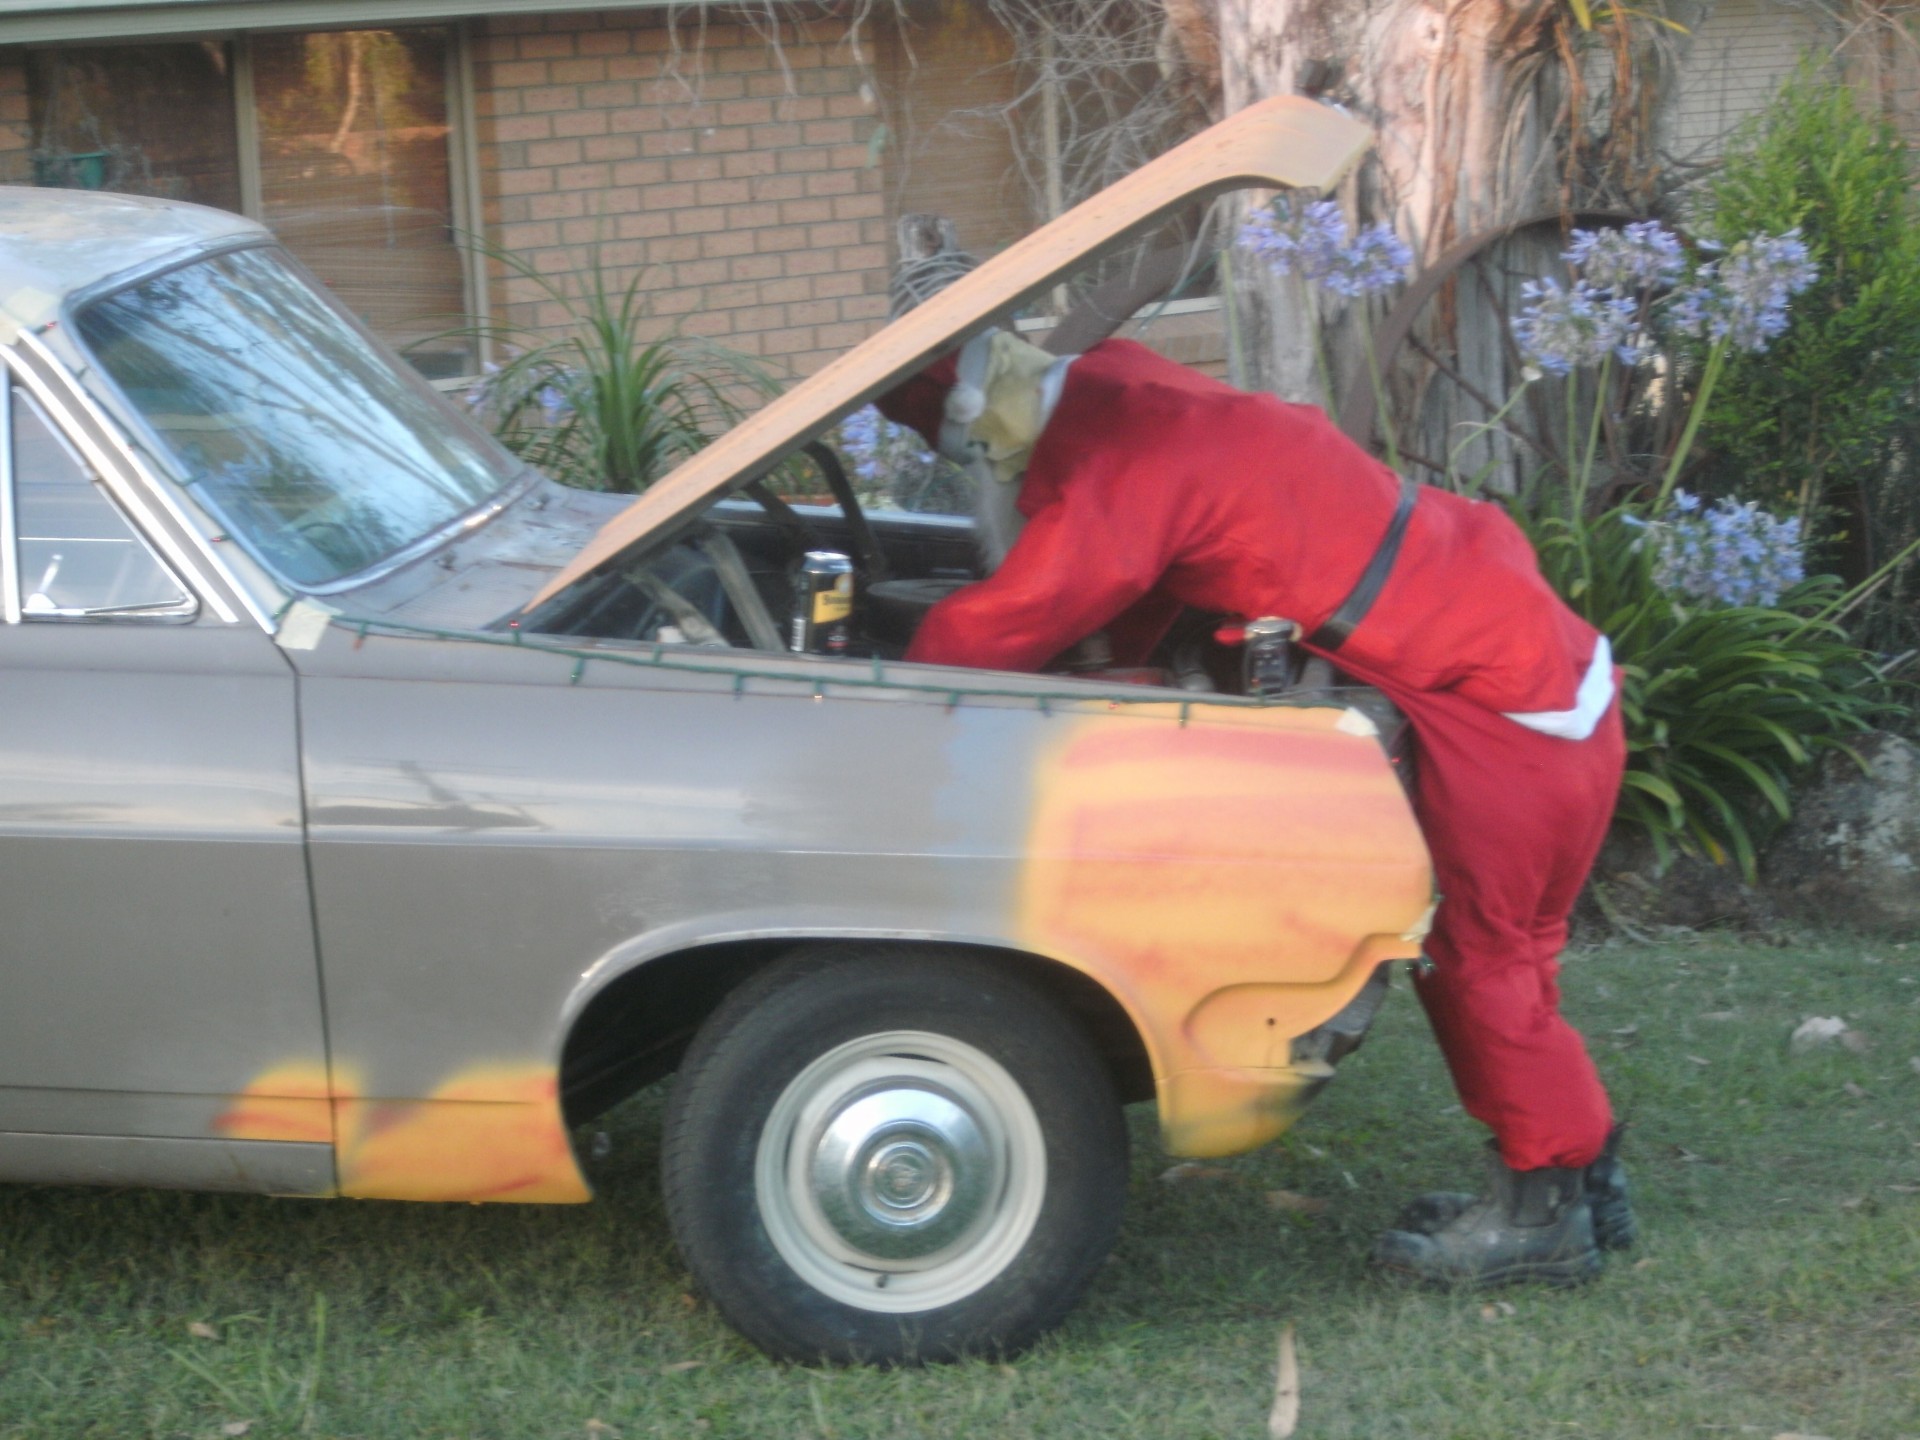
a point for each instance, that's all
(525, 480)
(187, 607)
(9, 526)
(191, 254)
(115, 479)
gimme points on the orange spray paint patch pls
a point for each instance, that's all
(491, 1133)
(1270, 854)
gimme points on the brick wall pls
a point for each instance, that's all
(746, 194)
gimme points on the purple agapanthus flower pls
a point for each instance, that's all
(1642, 256)
(876, 449)
(1314, 242)
(554, 403)
(1742, 297)
(1566, 329)
(1729, 554)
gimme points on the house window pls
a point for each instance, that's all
(341, 141)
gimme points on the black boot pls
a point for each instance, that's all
(1531, 1225)
(1614, 1227)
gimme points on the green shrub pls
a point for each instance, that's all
(1721, 704)
(1824, 421)
(598, 407)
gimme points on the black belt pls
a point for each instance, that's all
(1366, 590)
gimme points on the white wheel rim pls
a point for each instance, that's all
(900, 1172)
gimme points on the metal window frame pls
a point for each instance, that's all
(9, 522)
(186, 608)
(135, 495)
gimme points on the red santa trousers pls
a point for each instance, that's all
(1514, 820)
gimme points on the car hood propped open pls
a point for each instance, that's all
(1285, 142)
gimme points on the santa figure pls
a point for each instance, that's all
(1120, 487)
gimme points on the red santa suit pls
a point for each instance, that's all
(1152, 487)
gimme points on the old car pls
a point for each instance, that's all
(374, 811)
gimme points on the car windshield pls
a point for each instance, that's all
(319, 452)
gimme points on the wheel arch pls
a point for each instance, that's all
(634, 1027)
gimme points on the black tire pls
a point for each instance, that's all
(787, 1078)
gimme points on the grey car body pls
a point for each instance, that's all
(375, 883)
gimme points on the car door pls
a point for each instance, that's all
(158, 980)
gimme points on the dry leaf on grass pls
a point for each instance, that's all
(200, 1330)
(1699, 1059)
(597, 1428)
(1297, 1203)
(1285, 1414)
(680, 1367)
(1497, 1310)
(1646, 1262)
(236, 1427)
(1626, 1030)
(1856, 1041)
(1817, 1030)
(1194, 1170)
(1854, 1091)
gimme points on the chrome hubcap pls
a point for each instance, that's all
(900, 1171)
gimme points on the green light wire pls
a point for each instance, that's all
(876, 677)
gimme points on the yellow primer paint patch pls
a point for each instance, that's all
(490, 1133)
(1189, 858)
(1267, 853)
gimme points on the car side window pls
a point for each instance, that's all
(78, 558)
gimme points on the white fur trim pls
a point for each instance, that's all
(965, 404)
(1589, 702)
(1051, 384)
(971, 381)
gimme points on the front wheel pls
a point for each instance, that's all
(893, 1156)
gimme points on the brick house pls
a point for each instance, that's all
(752, 182)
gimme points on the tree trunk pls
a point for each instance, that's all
(1465, 95)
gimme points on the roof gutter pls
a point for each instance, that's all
(1279, 143)
(36, 22)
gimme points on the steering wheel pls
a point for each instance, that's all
(869, 560)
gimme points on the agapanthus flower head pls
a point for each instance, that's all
(1376, 259)
(876, 449)
(1728, 554)
(1314, 242)
(555, 405)
(1642, 256)
(1742, 297)
(1566, 329)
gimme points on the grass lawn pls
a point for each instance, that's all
(1777, 1290)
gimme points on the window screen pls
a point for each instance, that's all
(347, 156)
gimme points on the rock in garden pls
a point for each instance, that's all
(1851, 854)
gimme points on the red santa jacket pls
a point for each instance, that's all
(1154, 487)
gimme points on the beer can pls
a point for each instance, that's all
(1268, 660)
(822, 604)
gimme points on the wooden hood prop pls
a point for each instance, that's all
(1283, 142)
